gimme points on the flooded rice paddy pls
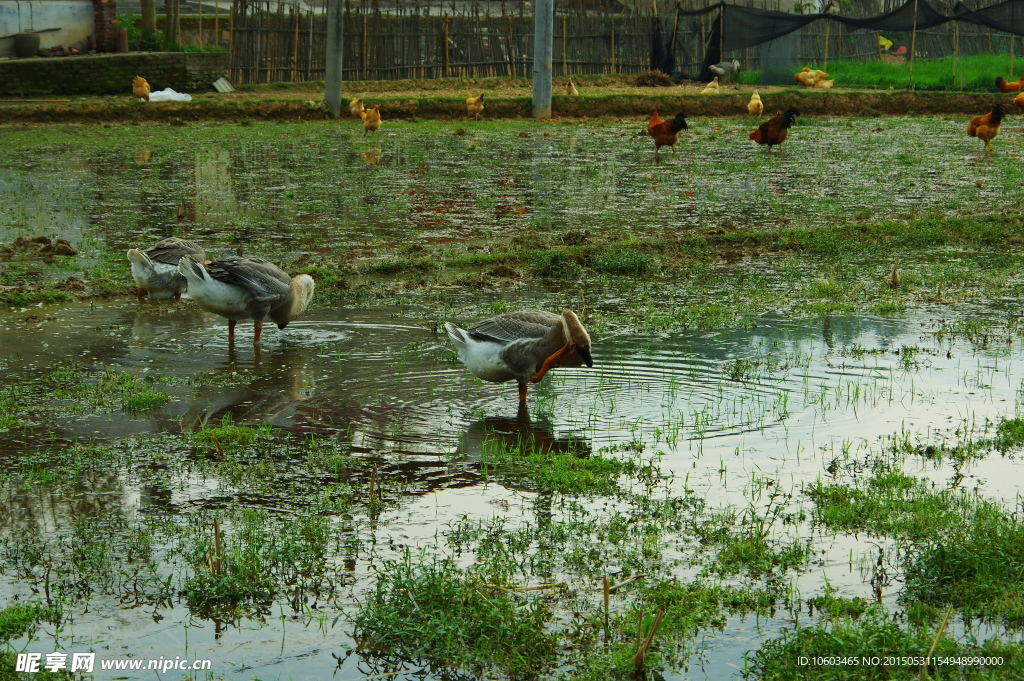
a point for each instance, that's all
(323, 505)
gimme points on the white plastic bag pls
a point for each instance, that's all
(169, 95)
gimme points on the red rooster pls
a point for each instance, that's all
(1012, 86)
(666, 133)
(775, 130)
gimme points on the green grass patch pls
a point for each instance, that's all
(22, 619)
(433, 612)
(813, 653)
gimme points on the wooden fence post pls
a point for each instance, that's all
(335, 35)
(447, 55)
(956, 48)
(913, 44)
(544, 18)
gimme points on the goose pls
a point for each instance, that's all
(155, 270)
(246, 288)
(522, 346)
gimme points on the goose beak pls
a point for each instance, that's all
(584, 352)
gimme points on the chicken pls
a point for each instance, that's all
(356, 107)
(711, 88)
(1019, 101)
(755, 106)
(666, 133)
(1012, 86)
(725, 69)
(986, 127)
(140, 87)
(824, 84)
(809, 77)
(775, 130)
(475, 105)
(893, 280)
(371, 119)
(570, 89)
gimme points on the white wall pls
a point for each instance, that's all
(74, 18)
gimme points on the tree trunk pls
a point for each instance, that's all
(148, 15)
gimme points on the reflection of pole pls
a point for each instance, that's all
(335, 31)
(544, 20)
(913, 44)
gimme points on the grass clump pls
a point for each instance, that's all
(566, 474)
(21, 619)
(627, 261)
(435, 613)
(975, 565)
(892, 504)
(793, 654)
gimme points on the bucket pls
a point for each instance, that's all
(26, 44)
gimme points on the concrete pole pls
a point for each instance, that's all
(544, 22)
(335, 34)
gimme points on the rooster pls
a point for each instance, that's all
(1019, 101)
(986, 127)
(775, 130)
(755, 106)
(474, 105)
(140, 87)
(666, 133)
(371, 119)
(1012, 86)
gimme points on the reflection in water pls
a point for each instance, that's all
(495, 434)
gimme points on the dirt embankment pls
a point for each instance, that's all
(506, 98)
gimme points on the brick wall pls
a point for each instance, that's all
(109, 74)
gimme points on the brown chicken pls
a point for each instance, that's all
(1019, 101)
(371, 119)
(666, 133)
(355, 107)
(140, 87)
(986, 127)
(474, 105)
(775, 130)
(1012, 86)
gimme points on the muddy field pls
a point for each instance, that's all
(783, 451)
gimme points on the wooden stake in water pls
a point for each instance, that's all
(913, 43)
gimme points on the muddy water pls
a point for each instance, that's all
(781, 399)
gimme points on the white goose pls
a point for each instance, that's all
(246, 288)
(522, 346)
(155, 270)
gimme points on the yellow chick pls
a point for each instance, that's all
(570, 89)
(711, 88)
(474, 105)
(356, 107)
(371, 119)
(140, 87)
(755, 106)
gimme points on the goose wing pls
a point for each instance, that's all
(515, 326)
(170, 251)
(262, 279)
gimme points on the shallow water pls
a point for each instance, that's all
(780, 399)
(392, 389)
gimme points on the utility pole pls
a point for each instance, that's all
(335, 34)
(544, 21)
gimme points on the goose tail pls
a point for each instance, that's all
(456, 335)
(137, 257)
(191, 268)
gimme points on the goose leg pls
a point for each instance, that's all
(522, 394)
(231, 330)
(553, 361)
(177, 296)
(141, 294)
(259, 329)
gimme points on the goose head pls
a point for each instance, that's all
(575, 333)
(301, 292)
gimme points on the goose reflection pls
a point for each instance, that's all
(270, 389)
(519, 433)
